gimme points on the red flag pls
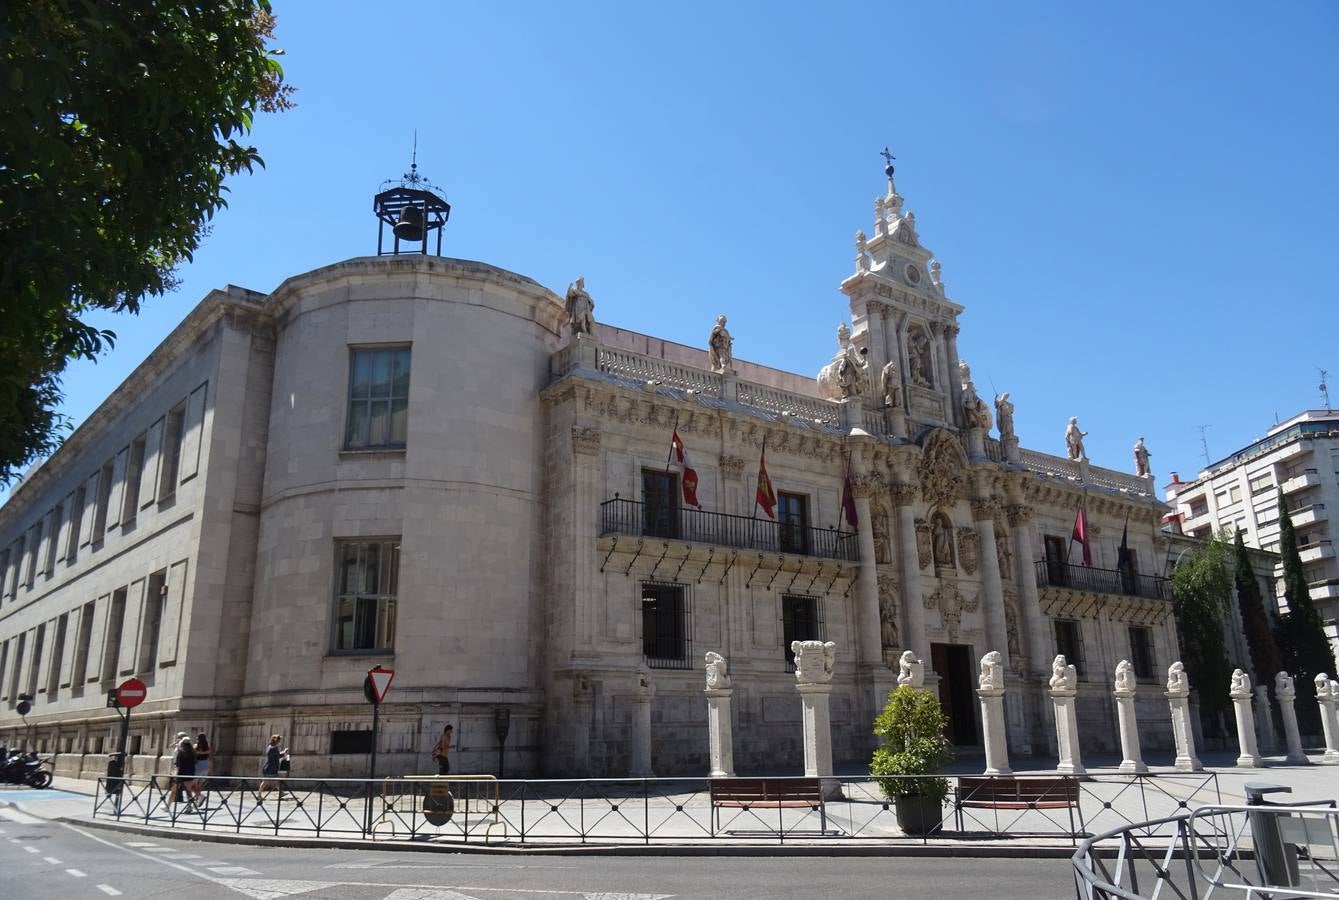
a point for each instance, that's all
(1080, 536)
(688, 478)
(765, 496)
(848, 498)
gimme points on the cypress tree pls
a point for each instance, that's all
(1265, 658)
(1300, 634)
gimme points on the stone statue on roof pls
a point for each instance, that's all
(580, 308)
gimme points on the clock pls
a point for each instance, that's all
(913, 274)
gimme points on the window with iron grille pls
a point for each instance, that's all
(366, 585)
(1141, 652)
(1069, 642)
(667, 635)
(378, 398)
(801, 620)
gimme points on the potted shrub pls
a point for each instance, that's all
(912, 743)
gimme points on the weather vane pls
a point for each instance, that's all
(888, 158)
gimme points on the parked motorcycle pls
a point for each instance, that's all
(25, 768)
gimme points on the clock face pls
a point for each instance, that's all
(913, 274)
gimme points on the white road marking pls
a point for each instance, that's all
(157, 859)
(413, 893)
(141, 844)
(19, 818)
(232, 870)
(76, 873)
(52, 860)
(109, 890)
(272, 888)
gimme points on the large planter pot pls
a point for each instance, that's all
(918, 815)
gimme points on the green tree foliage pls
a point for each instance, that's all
(1300, 634)
(911, 742)
(119, 121)
(1265, 658)
(1202, 596)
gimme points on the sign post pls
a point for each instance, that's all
(122, 698)
(375, 687)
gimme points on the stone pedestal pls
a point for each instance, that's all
(1249, 758)
(1183, 732)
(817, 723)
(852, 413)
(587, 353)
(897, 422)
(1264, 720)
(1067, 734)
(639, 766)
(719, 734)
(1287, 696)
(976, 444)
(1131, 759)
(1329, 722)
(992, 722)
(1010, 447)
(730, 386)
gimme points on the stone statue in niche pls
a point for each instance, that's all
(1074, 439)
(888, 634)
(1011, 628)
(974, 410)
(580, 308)
(1141, 456)
(1241, 684)
(910, 670)
(924, 553)
(936, 273)
(1004, 415)
(1124, 677)
(814, 661)
(1003, 554)
(718, 672)
(969, 549)
(1284, 687)
(879, 524)
(992, 672)
(943, 541)
(1064, 677)
(720, 347)
(919, 357)
(847, 375)
(890, 383)
(1178, 685)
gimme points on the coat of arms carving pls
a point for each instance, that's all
(924, 545)
(969, 549)
(942, 469)
(951, 605)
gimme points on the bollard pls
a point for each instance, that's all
(1276, 860)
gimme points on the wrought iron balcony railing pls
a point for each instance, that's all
(1102, 581)
(619, 516)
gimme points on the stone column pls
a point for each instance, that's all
(721, 741)
(1249, 758)
(867, 579)
(640, 764)
(584, 712)
(586, 477)
(954, 389)
(913, 607)
(1067, 733)
(1264, 720)
(997, 633)
(1039, 644)
(813, 680)
(1327, 698)
(1132, 761)
(1183, 732)
(990, 688)
(1286, 693)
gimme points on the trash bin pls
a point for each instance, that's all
(1276, 859)
(116, 770)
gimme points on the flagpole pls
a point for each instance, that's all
(756, 485)
(669, 457)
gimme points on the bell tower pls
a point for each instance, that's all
(414, 209)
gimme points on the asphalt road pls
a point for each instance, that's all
(43, 859)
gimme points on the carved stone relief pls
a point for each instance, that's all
(969, 549)
(951, 605)
(924, 552)
(942, 532)
(732, 466)
(878, 515)
(585, 440)
(890, 598)
(942, 469)
(1003, 554)
(1011, 629)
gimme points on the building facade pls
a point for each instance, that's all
(1298, 457)
(419, 462)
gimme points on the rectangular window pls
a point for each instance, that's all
(30, 561)
(76, 523)
(172, 435)
(1069, 642)
(1261, 483)
(666, 635)
(367, 581)
(1234, 493)
(153, 622)
(111, 648)
(53, 540)
(660, 504)
(801, 620)
(103, 498)
(1198, 507)
(134, 469)
(348, 743)
(4, 681)
(1057, 568)
(16, 669)
(35, 662)
(20, 551)
(378, 398)
(82, 646)
(1141, 653)
(57, 657)
(793, 520)
(4, 573)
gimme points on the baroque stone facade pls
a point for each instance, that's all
(418, 462)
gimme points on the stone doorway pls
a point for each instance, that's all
(953, 664)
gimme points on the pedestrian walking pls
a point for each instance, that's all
(203, 765)
(183, 765)
(441, 749)
(270, 765)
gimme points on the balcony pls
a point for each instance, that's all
(619, 516)
(1300, 479)
(1324, 590)
(1102, 581)
(1316, 550)
(1306, 515)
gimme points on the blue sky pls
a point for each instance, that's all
(1135, 202)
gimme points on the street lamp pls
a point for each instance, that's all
(501, 726)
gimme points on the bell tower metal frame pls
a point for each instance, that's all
(390, 206)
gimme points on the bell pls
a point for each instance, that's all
(410, 225)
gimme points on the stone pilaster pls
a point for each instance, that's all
(1067, 733)
(1329, 723)
(719, 733)
(586, 475)
(639, 766)
(1249, 758)
(814, 661)
(1132, 760)
(995, 737)
(1287, 696)
(903, 495)
(997, 634)
(1038, 639)
(1183, 733)
(867, 580)
(951, 361)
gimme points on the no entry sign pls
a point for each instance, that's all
(131, 693)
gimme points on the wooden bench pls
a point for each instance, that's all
(768, 793)
(1015, 793)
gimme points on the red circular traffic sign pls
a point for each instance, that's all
(131, 693)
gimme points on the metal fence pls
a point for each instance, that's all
(648, 810)
(1272, 851)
